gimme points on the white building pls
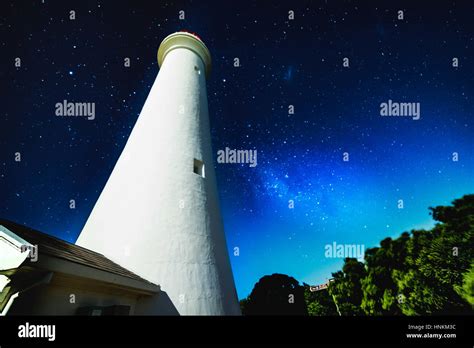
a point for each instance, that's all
(158, 215)
(60, 278)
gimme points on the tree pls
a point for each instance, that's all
(277, 294)
(319, 303)
(244, 304)
(422, 272)
(380, 291)
(346, 288)
(439, 260)
(466, 291)
(419, 273)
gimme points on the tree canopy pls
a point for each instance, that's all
(422, 272)
(276, 294)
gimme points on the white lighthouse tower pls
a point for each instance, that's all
(158, 214)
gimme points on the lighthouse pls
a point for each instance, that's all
(158, 214)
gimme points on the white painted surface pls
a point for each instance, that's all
(11, 253)
(155, 216)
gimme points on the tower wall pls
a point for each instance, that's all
(155, 215)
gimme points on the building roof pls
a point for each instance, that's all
(55, 247)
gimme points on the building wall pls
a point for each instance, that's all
(54, 299)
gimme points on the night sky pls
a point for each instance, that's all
(282, 62)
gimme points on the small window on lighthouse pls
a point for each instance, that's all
(199, 167)
(197, 70)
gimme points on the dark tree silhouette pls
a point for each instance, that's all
(346, 288)
(320, 303)
(277, 294)
(422, 272)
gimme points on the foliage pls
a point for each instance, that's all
(346, 289)
(277, 294)
(466, 291)
(422, 272)
(320, 303)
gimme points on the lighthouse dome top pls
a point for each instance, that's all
(184, 39)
